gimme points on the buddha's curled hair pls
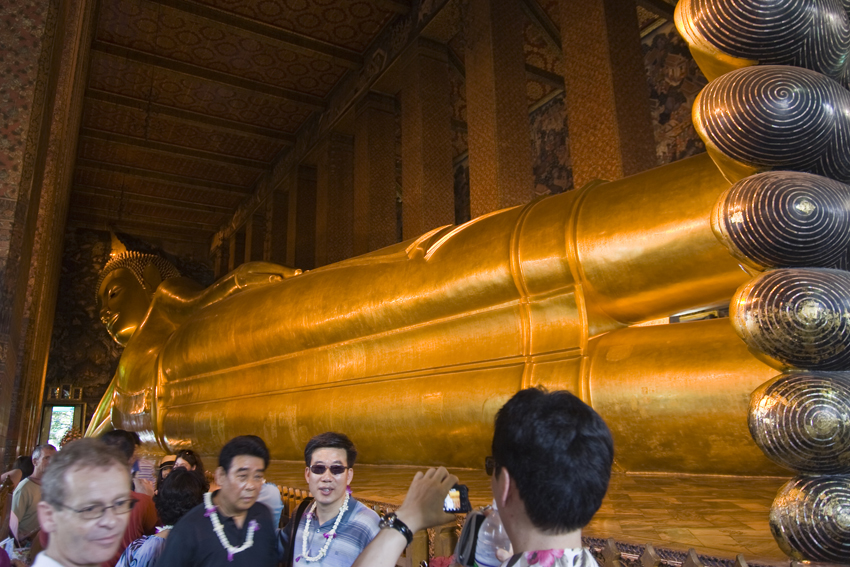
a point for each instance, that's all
(136, 262)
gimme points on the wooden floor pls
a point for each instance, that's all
(717, 516)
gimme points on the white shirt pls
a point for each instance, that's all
(42, 560)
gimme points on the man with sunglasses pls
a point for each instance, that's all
(333, 528)
(85, 505)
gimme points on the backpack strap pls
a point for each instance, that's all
(291, 529)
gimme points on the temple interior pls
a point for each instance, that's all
(304, 133)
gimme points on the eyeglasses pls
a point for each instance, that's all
(489, 465)
(96, 511)
(336, 470)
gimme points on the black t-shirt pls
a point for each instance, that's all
(193, 543)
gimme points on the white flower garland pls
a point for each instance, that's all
(329, 537)
(219, 529)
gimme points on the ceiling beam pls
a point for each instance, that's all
(233, 126)
(172, 149)
(310, 101)
(541, 19)
(658, 7)
(154, 219)
(544, 76)
(191, 183)
(142, 230)
(168, 202)
(293, 41)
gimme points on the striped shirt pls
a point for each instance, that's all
(358, 527)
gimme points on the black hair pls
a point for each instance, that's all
(559, 453)
(181, 491)
(192, 458)
(124, 441)
(331, 440)
(24, 464)
(249, 445)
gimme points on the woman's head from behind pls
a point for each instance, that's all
(181, 491)
(24, 464)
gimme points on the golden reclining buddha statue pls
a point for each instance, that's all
(412, 349)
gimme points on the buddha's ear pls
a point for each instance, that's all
(152, 277)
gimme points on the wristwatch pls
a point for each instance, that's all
(390, 520)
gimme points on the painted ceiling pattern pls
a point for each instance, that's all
(190, 103)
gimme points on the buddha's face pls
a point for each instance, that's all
(123, 304)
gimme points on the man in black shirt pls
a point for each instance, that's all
(230, 529)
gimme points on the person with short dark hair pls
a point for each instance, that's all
(85, 504)
(180, 492)
(21, 469)
(23, 521)
(551, 464)
(188, 459)
(143, 518)
(230, 528)
(335, 528)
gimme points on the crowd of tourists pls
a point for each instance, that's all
(99, 502)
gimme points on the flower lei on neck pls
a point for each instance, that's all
(329, 537)
(219, 529)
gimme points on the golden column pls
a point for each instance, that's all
(426, 133)
(374, 173)
(335, 200)
(607, 97)
(500, 168)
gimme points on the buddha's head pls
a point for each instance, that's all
(125, 288)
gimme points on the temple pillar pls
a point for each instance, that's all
(374, 173)
(426, 150)
(277, 227)
(305, 222)
(291, 219)
(335, 200)
(254, 236)
(218, 266)
(500, 164)
(50, 42)
(607, 96)
(231, 253)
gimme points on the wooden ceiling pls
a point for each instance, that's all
(190, 102)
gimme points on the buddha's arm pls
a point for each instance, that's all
(180, 297)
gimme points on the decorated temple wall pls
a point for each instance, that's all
(82, 354)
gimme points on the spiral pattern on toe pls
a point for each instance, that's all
(776, 117)
(785, 219)
(800, 317)
(803, 33)
(801, 421)
(810, 518)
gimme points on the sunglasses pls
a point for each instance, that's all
(336, 470)
(489, 465)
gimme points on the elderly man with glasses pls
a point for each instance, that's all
(331, 529)
(85, 505)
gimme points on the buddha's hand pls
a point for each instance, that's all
(246, 276)
(252, 274)
(775, 118)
